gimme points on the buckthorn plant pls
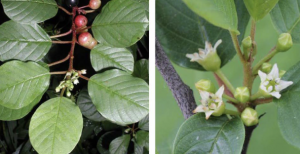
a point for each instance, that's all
(204, 35)
(74, 76)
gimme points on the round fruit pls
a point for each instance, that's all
(94, 4)
(71, 3)
(80, 21)
(85, 39)
(92, 44)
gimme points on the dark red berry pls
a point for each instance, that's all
(71, 3)
(94, 4)
(80, 21)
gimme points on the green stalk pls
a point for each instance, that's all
(225, 80)
(234, 113)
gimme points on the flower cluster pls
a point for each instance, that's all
(70, 79)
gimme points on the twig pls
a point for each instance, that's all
(61, 35)
(61, 72)
(62, 8)
(181, 92)
(220, 74)
(60, 61)
(262, 101)
(83, 77)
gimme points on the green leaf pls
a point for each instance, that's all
(30, 11)
(180, 31)
(56, 126)
(103, 56)
(259, 8)
(105, 140)
(216, 135)
(142, 139)
(121, 23)
(119, 145)
(221, 13)
(288, 107)
(22, 83)
(141, 69)
(7, 114)
(87, 107)
(119, 97)
(286, 17)
(23, 41)
(144, 123)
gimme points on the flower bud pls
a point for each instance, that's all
(205, 85)
(249, 117)
(281, 73)
(242, 94)
(57, 89)
(266, 67)
(219, 111)
(247, 42)
(68, 93)
(285, 42)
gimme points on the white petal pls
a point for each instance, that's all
(219, 93)
(213, 106)
(208, 114)
(204, 95)
(274, 72)
(262, 87)
(270, 89)
(275, 94)
(262, 76)
(283, 84)
(265, 83)
(220, 103)
(217, 44)
(199, 108)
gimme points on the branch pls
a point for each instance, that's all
(181, 92)
(262, 101)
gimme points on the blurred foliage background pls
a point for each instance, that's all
(267, 138)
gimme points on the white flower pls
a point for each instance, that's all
(68, 74)
(76, 81)
(204, 52)
(211, 102)
(83, 71)
(271, 83)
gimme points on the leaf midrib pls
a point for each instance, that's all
(119, 95)
(29, 2)
(119, 23)
(25, 81)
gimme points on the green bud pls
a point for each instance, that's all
(211, 62)
(266, 67)
(281, 73)
(127, 130)
(68, 81)
(242, 94)
(247, 42)
(249, 117)
(72, 86)
(285, 42)
(205, 85)
(220, 110)
(75, 74)
(57, 89)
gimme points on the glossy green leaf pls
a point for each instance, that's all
(103, 56)
(87, 107)
(22, 83)
(221, 13)
(121, 23)
(288, 107)
(141, 69)
(216, 135)
(286, 17)
(56, 126)
(23, 41)
(142, 139)
(144, 123)
(7, 114)
(119, 97)
(119, 145)
(180, 31)
(259, 8)
(30, 11)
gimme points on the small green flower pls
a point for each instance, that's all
(284, 42)
(249, 117)
(205, 85)
(242, 94)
